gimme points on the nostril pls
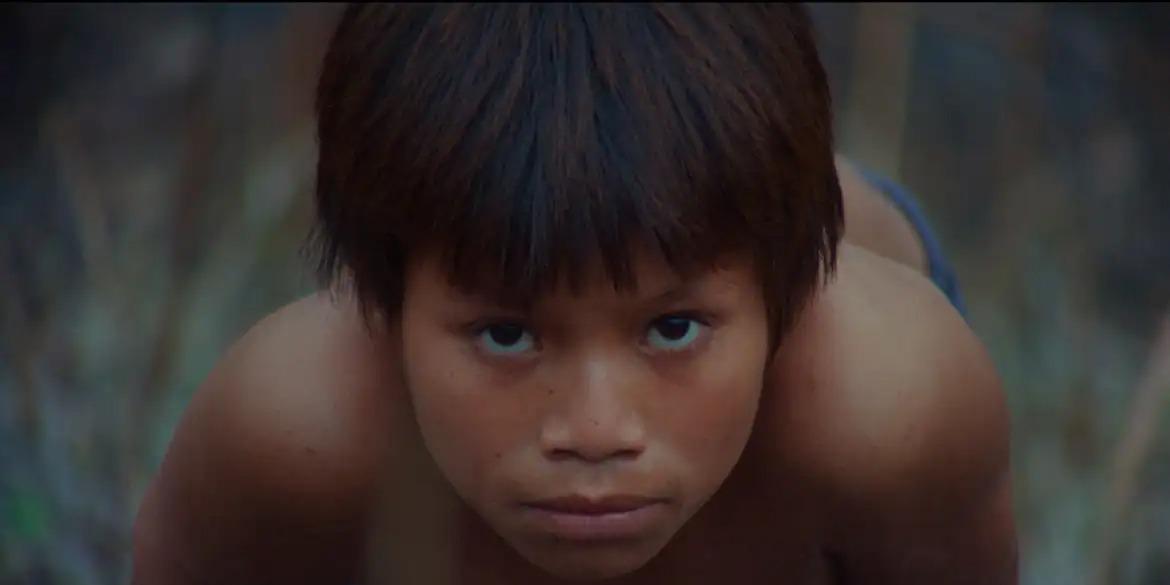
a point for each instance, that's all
(564, 454)
(594, 437)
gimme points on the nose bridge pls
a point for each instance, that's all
(596, 414)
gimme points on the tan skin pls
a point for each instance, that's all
(872, 448)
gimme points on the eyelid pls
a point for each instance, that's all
(702, 317)
(478, 328)
(480, 325)
(704, 320)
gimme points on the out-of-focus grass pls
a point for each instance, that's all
(156, 186)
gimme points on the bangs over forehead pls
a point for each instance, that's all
(528, 142)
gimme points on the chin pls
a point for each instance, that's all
(588, 562)
(591, 567)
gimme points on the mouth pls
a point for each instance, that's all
(584, 519)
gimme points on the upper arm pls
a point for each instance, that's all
(931, 501)
(892, 410)
(266, 476)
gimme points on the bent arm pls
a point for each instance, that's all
(938, 508)
(224, 509)
(913, 438)
(269, 473)
(943, 540)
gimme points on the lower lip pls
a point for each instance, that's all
(596, 527)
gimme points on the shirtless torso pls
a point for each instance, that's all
(879, 454)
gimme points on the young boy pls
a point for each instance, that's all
(591, 316)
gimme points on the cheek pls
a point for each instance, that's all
(465, 430)
(714, 407)
(722, 412)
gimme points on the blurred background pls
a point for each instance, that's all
(155, 186)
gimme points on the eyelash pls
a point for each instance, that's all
(698, 316)
(478, 328)
(703, 319)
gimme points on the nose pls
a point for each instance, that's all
(596, 417)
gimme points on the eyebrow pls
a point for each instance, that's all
(504, 299)
(673, 293)
(525, 301)
(518, 301)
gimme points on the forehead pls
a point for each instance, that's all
(651, 275)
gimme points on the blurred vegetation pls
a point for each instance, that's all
(156, 182)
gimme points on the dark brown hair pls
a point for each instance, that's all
(523, 140)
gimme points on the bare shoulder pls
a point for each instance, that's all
(286, 437)
(884, 393)
(298, 399)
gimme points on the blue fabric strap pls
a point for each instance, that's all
(941, 272)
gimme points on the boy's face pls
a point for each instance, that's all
(587, 429)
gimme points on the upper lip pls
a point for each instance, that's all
(578, 504)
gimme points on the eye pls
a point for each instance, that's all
(673, 332)
(505, 339)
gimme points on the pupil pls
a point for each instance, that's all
(506, 334)
(674, 328)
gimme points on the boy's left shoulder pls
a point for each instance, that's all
(888, 402)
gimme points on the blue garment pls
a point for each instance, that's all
(941, 272)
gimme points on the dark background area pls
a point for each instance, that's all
(156, 166)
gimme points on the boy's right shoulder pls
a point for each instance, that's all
(311, 389)
(281, 450)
